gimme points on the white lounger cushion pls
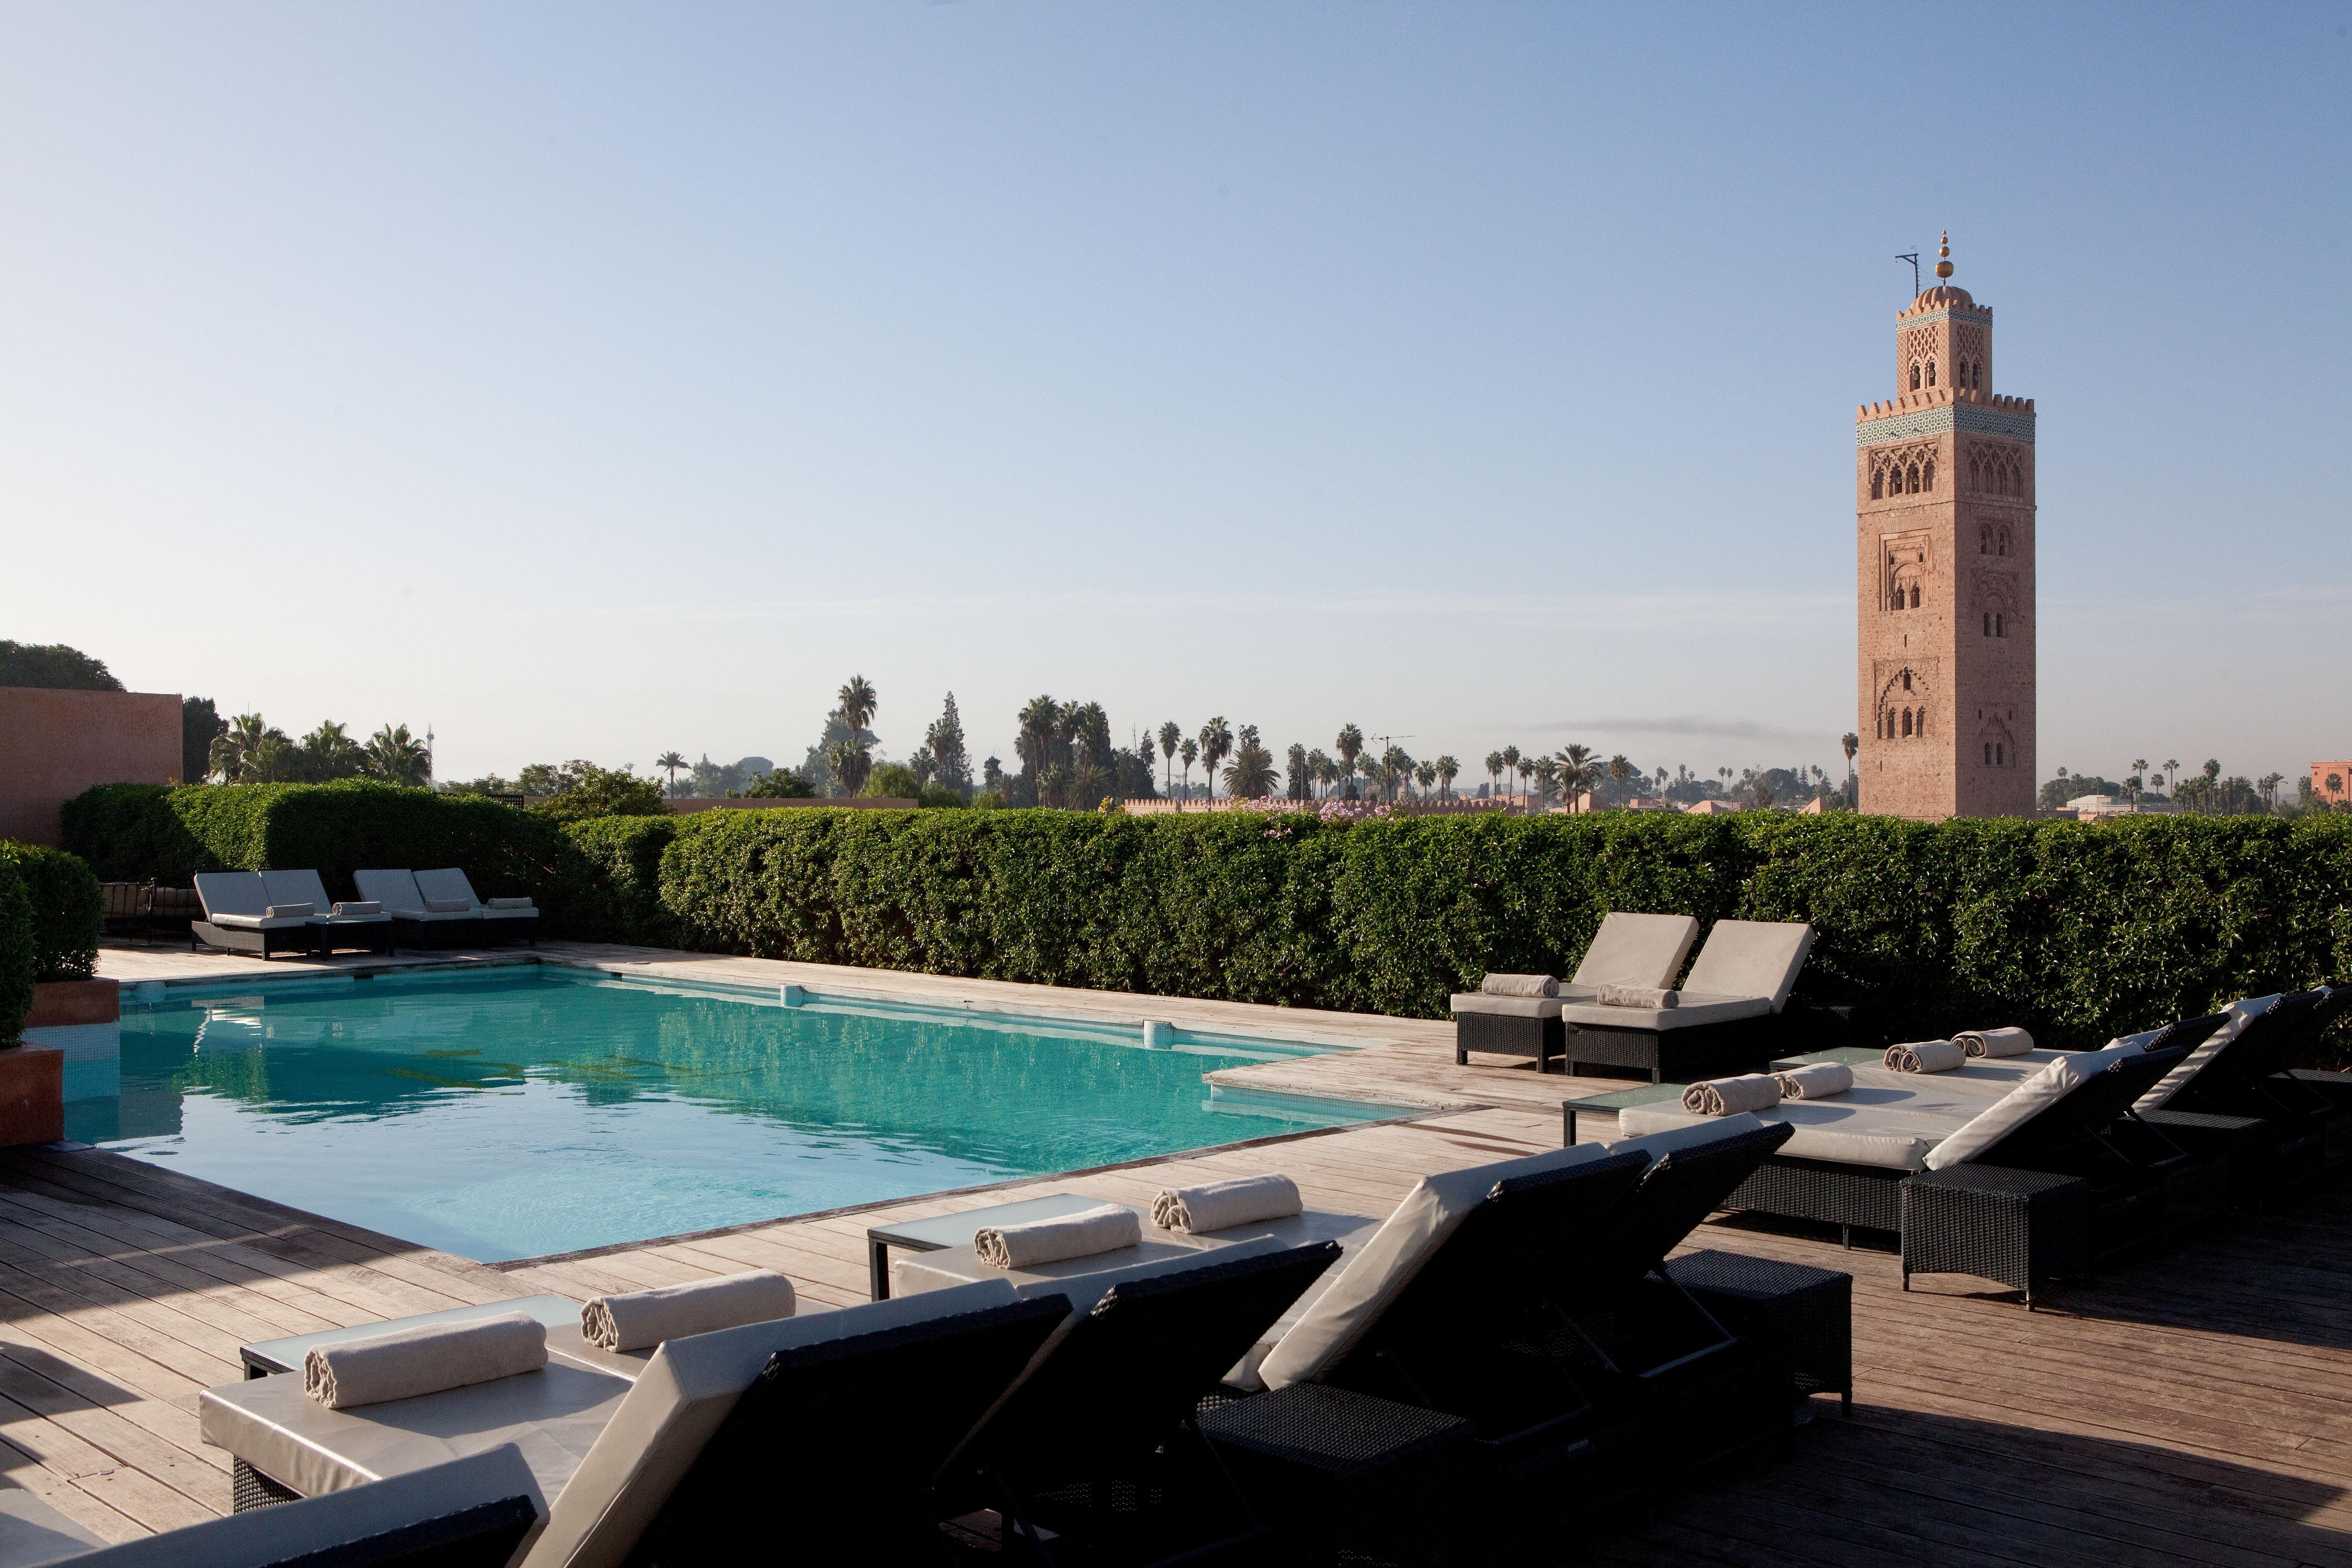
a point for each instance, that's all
(1889, 1128)
(1507, 1006)
(2023, 1103)
(1751, 958)
(1637, 949)
(1987, 1077)
(237, 893)
(2239, 1014)
(449, 885)
(686, 1392)
(262, 922)
(1696, 1009)
(304, 888)
(1374, 1275)
(396, 892)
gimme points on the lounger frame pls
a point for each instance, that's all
(265, 943)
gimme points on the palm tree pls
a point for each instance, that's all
(1427, 774)
(1171, 734)
(1448, 770)
(1511, 761)
(1326, 770)
(1546, 772)
(1216, 745)
(1578, 773)
(670, 763)
(2172, 772)
(1620, 769)
(1189, 750)
(1301, 771)
(396, 755)
(1495, 771)
(2131, 785)
(1350, 745)
(1319, 772)
(2268, 783)
(237, 753)
(1250, 775)
(1396, 767)
(858, 702)
(1039, 719)
(1852, 744)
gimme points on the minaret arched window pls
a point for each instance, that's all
(1984, 540)
(1931, 476)
(1906, 723)
(2002, 549)
(1999, 626)
(1931, 372)
(1907, 680)
(1976, 376)
(1911, 479)
(1987, 623)
(1877, 484)
(1999, 755)
(1988, 753)
(1915, 595)
(1915, 378)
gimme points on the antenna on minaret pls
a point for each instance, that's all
(1913, 257)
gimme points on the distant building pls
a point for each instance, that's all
(1944, 537)
(2094, 808)
(2338, 774)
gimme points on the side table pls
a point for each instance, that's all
(1808, 1312)
(941, 1231)
(1336, 1470)
(2020, 1228)
(1613, 1102)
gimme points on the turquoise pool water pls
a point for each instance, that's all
(518, 1111)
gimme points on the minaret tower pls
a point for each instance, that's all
(1944, 601)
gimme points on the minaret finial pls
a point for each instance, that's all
(1944, 252)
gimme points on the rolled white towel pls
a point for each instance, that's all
(1815, 1081)
(288, 912)
(1216, 1206)
(1648, 997)
(507, 904)
(360, 906)
(1926, 1056)
(1730, 1096)
(1104, 1229)
(2009, 1042)
(406, 1362)
(447, 906)
(1520, 985)
(644, 1317)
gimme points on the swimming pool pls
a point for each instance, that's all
(525, 1110)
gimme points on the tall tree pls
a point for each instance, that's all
(1326, 771)
(1427, 774)
(1511, 761)
(1578, 773)
(858, 702)
(1546, 772)
(671, 763)
(200, 725)
(1448, 770)
(1851, 743)
(1300, 773)
(55, 665)
(1495, 765)
(1620, 769)
(950, 763)
(1216, 744)
(1188, 751)
(1040, 720)
(1250, 775)
(1350, 746)
(1395, 767)
(398, 757)
(1171, 736)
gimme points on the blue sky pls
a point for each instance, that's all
(590, 380)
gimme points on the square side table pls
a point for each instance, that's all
(1808, 1311)
(941, 1231)
(2020, 1228)
(1613, 1102)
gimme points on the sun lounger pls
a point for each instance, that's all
(1111, 1401)
(466, 1513)
(2309, 1132)
(606, 1450)
(1727, 1018)
(1853, 1159)
(237, 920)
(335, 926)
(503, 920)
(1644, 951)
(416, 924)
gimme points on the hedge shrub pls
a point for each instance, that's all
(17, 964)
(69, 911)
(132, 832)
(607, 886)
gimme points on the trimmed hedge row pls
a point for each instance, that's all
(2078, 931)
(17, 953)
(132, 832)
(69, 911)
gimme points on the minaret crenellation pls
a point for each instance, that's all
(1945, 586)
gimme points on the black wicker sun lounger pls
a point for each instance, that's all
(2305, 1131)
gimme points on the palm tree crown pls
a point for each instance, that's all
(1216, 744)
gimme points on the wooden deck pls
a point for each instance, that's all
(2190, 1408)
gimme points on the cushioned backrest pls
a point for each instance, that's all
(1752, 958)
(680, 1399)
(2234, 1019)
(232, 893)
(2267, 1045)
(359, 1524)
(298, 887)
(1637, 949)
(395, 890)
(2035, 1096)
(448, 882)
(1379, 1272)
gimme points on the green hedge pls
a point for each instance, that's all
(132, 832)
(17, 964)
(2078, 931)
(69, 911)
